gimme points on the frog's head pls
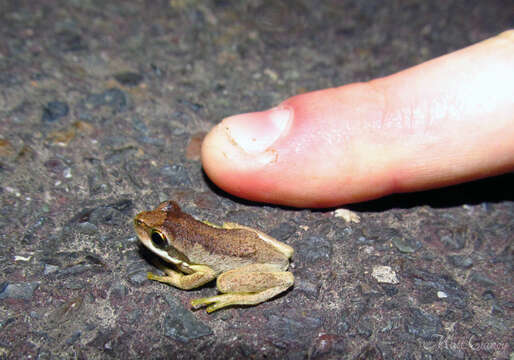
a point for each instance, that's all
(153, 230)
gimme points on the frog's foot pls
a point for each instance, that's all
(152, 276)
(221, 301)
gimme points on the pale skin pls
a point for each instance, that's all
(443, 122)
(249, 265)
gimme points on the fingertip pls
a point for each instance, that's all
(240, 145)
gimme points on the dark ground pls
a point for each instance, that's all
(102, 106)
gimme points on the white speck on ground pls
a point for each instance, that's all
(347, 215)
(384, 274)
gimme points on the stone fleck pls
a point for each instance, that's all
(128, 78)
(384, 274)
(23, 290)
(55, 110)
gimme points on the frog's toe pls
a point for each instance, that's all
(152, 276)
(196, 303)
(217, 302)
(215, 307)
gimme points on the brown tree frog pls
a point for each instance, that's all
(249, 265)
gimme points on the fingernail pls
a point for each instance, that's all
(256, 132)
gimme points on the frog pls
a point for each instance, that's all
(249, 266)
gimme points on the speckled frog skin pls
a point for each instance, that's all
(249, 265)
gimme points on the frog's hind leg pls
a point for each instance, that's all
(248, 285)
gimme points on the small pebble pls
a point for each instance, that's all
(22, 291)
(347, 215)
(384, 274)
(128, 78)
(442, 295)
(54, 110)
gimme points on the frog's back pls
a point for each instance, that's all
(227, 249)
(221, 249)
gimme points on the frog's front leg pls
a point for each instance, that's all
(200, 275)
(248, 285)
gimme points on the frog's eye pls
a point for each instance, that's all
(159, 240)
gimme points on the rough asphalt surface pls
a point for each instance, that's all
(103, 105)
